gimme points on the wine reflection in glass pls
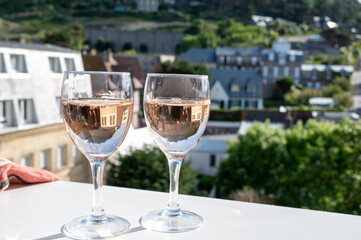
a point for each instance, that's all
(176, 109)
(97, 109)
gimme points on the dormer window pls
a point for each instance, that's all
(3, 115)
(18, 63)
(2, 64)
(292, 58)
(70, 65)
(221, 59)
(228, 60)
(234, 88)
(271, 57)
(250, 88)
(239, 60)
(26, 110)
(55, 64)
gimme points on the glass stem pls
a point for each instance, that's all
(173, 208)
(97, 212)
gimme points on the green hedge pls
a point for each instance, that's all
(316, 165)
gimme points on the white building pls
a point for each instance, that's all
(207, 155)
(30, 82)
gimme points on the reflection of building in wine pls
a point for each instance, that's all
(118, 63)
(31, 128)
(108, 116)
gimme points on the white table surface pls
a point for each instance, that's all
(39, 211)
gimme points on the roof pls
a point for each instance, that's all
(261, 20)
(246, 125)
(250, 51)
(198, 55)
(322, 67)
(36, 46)
(321, 100)
(129, 64)
(242, 78)
(211, 146)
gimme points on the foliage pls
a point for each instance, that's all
(284, 27)
(143, 48)
(340, 90)
(316, 165)
(182, 67)
(300, 96)
(205, 185)
(103, 45)
(127, 46)
(72, 37)
(148, 169)
(283, 85)
(337, 37)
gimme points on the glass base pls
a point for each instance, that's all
(161, 221)
(85, 228)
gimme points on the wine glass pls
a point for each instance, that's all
(176, 109)
(97, 109)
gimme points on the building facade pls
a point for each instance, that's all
(318, 75)
(147, 5)
(31, 128)
(236, 89)
(280, 61)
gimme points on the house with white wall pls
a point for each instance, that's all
(30, 82)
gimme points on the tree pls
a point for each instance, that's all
(314, 166)
(148, 169)
(182, 67)
(61, 38)
(283, 85)
(337, 37)
(127, 46)
(103, 45)
(143, 48)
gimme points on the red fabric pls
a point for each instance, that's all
(11, 172)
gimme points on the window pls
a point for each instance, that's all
(61, 156)
(44, 159)
(69, 64)
(221, 59)
(239, 60)
(296, 73)
(26, 160)
(292, 58)
(297, 81)
(342, 73)
(265, 71)
(234, 88)
(2, 64)
(328, 74)
(254, 61)
(317, 86)
(275, 71)
(250, 88)
(75, 154)
(228, 60)
(286, 71)
(314, 75)
(271, 57)
(309, 84)
(26, 110)
(3, 114)
(18, 63)
(265, 81)
(281, 59)
(212, 160)
(58, 103)
(55, 64)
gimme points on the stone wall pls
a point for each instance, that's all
(158, 42)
